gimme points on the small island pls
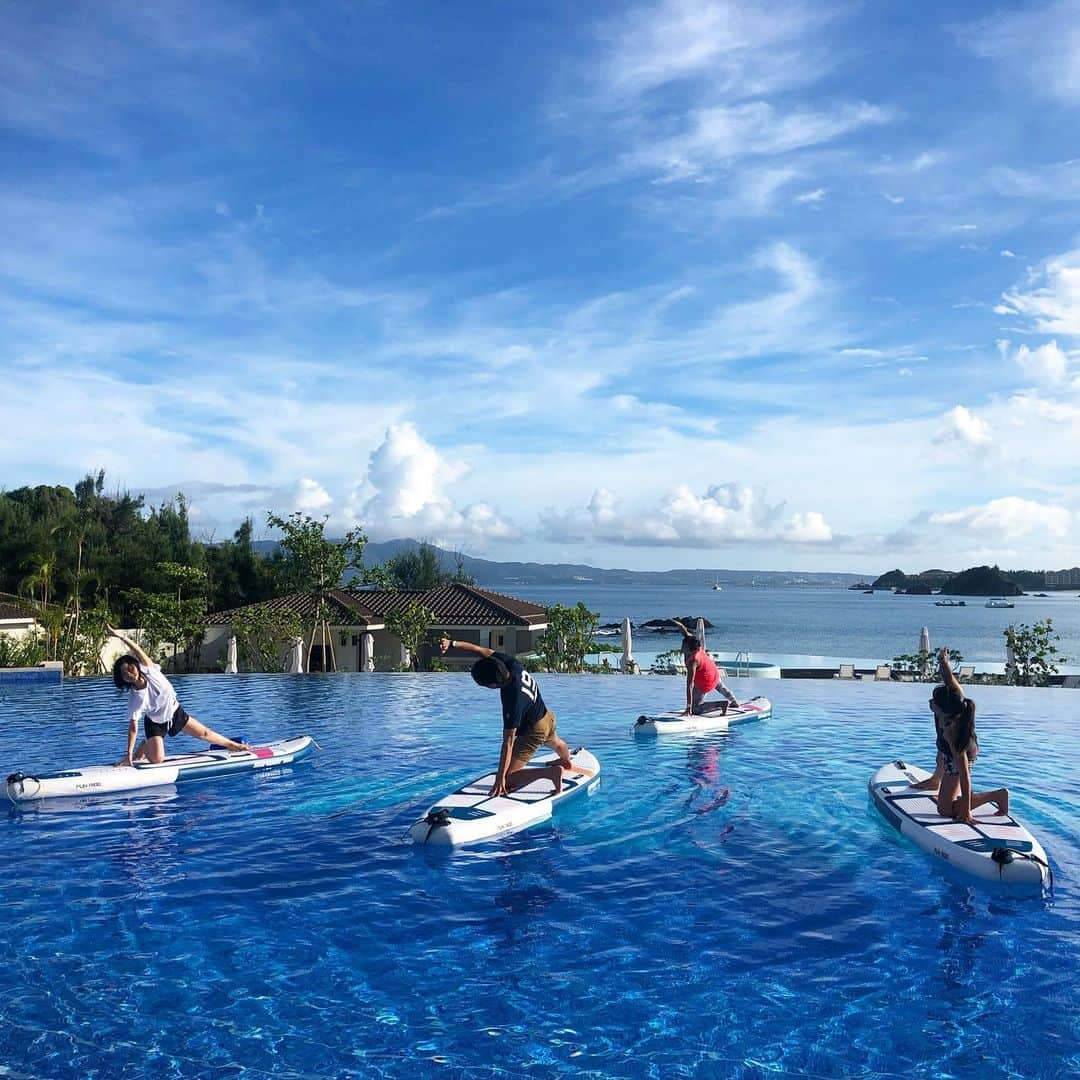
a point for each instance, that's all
(976, 581)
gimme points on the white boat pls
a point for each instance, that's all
(950, 603)
(718, 587)
(999, 601)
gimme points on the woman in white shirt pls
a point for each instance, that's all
(153, 699)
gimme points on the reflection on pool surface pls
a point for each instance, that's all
(724, 905)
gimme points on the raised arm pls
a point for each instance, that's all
(136, 650)
(682, 627)
(468, 646)
(946, 672)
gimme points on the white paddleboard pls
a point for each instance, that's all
(759, 708)
(470, 814)
(997, 847)
(108, 779)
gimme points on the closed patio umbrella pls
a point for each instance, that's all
(699, 631)
(627, 647)
(230, 659)
(367, 653)
(924, 650)
(294, 662)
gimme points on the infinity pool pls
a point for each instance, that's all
(722, 906)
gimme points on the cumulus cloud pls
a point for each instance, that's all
(1007, 519)
(1050, 297)
(1046, 364)
(310, 496)
(406, 478)
(724, 514)
(961, 426)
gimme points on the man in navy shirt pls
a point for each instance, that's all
(528, 723)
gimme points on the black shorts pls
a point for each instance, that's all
(174, 727)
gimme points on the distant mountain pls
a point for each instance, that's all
(511, 574)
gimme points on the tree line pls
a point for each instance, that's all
(79, 558)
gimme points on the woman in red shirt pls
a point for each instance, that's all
(702, 676)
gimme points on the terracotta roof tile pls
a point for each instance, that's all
(346, 608)
(452, 605)
(15, 607)
(461, 605)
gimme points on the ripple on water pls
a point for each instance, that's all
(722, 905)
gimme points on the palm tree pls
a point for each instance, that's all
(42, 570)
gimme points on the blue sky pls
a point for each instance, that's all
(650, 285)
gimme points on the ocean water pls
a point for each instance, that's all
(811, 626)
(723, 905)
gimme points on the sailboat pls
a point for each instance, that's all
(718, 587)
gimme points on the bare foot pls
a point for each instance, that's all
(1001, 801)
(555, 776)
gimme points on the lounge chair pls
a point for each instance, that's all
(847, 671)
(882, 674)
(964, 672)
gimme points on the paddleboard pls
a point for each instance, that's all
(108, 779)
(470, 814)
(759, 708)
(997, 847)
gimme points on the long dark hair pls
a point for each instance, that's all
(964, 725)
(118, 675)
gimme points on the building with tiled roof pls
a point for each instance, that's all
(17, 616)
(344, 608)
(357, 633)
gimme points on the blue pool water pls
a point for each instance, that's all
(722, 906)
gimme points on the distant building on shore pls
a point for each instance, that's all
(1063, 577)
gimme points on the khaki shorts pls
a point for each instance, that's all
(525, 745)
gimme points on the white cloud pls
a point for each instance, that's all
(1007, 519)
(920, 163)
(725, 514)
(310, 496)
(1045, 363)
(962, 426)
(1050, 297)
(1040, 45)
(812, 197)
(717, 135)
(407, 476)
(1030, 408)
(739, 49)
